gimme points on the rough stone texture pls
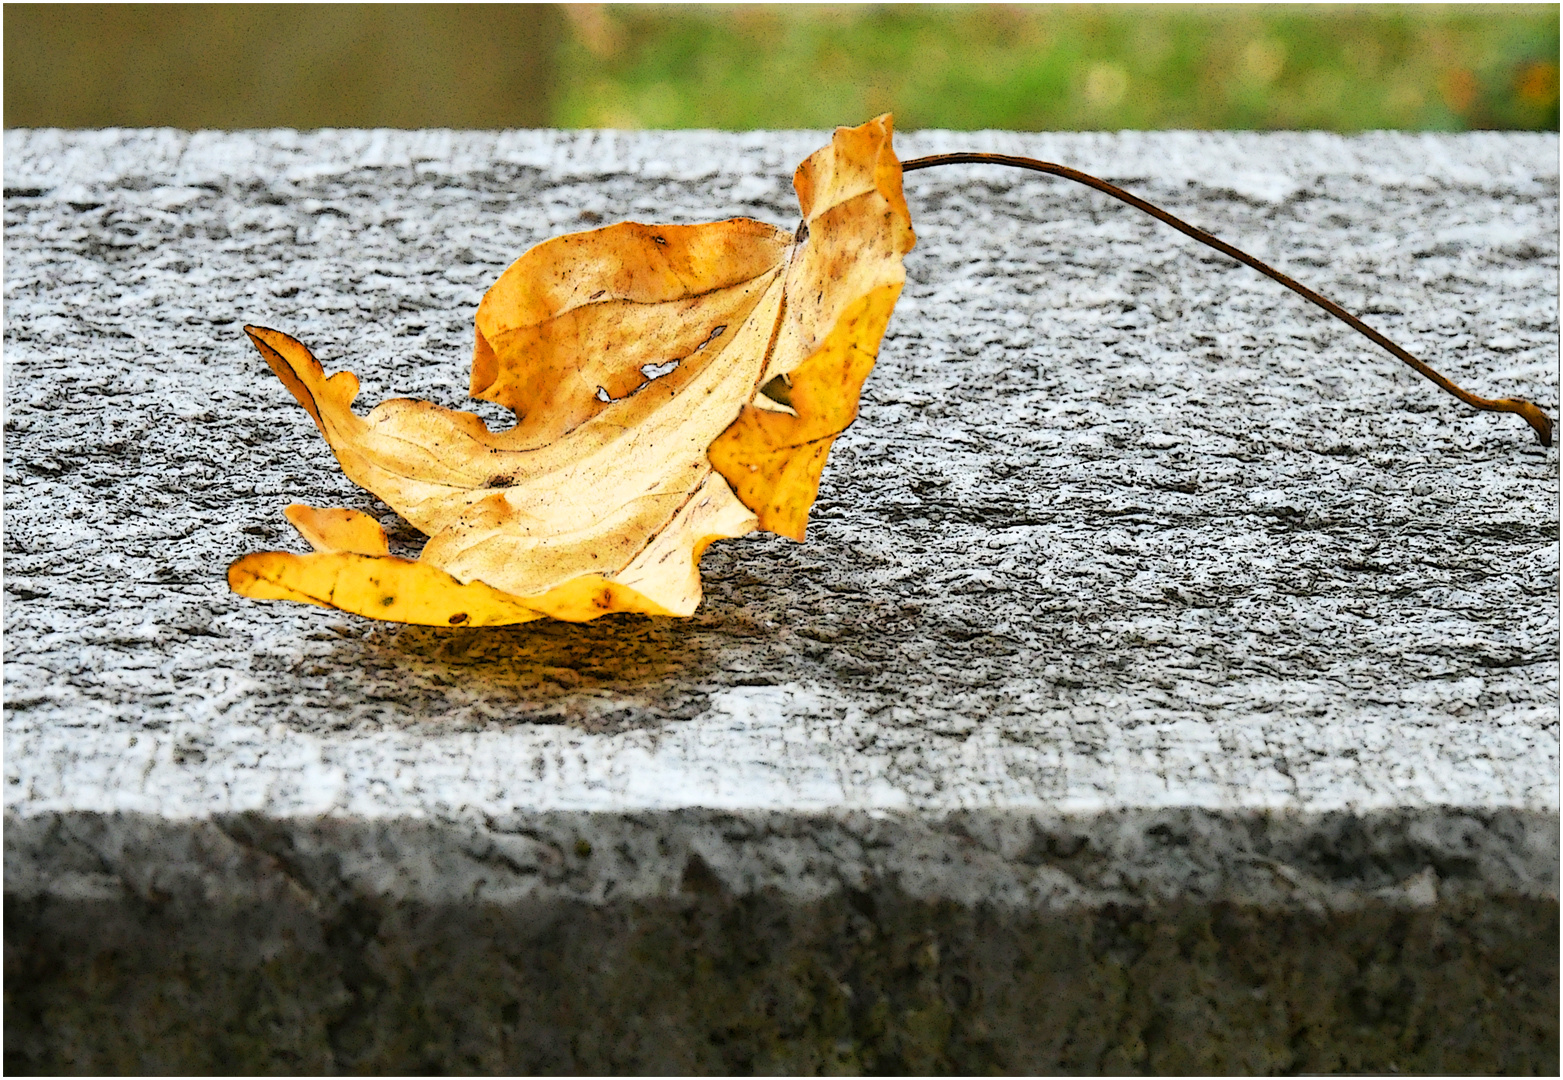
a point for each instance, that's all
(1169, 681)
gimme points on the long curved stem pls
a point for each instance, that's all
(1538, 420)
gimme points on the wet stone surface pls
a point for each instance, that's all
(1138, 582)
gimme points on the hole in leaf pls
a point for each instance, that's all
(779, 390)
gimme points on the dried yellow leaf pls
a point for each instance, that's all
(672, 385)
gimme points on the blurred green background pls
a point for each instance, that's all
(1059, 67)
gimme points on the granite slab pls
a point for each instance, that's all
(1169, 681)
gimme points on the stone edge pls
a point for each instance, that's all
(1022, 859)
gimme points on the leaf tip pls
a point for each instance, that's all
(1540, 422)
(247, 577)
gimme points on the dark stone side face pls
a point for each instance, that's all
(863, 982)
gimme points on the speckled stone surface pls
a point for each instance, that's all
(1169, 681)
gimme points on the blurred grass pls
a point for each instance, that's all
(1339, 68)
(1064, 67)
(276, 65)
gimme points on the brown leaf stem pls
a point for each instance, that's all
(1538, 420)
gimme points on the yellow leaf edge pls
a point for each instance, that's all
(774, 460)
(338, 530)
(392, 589)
